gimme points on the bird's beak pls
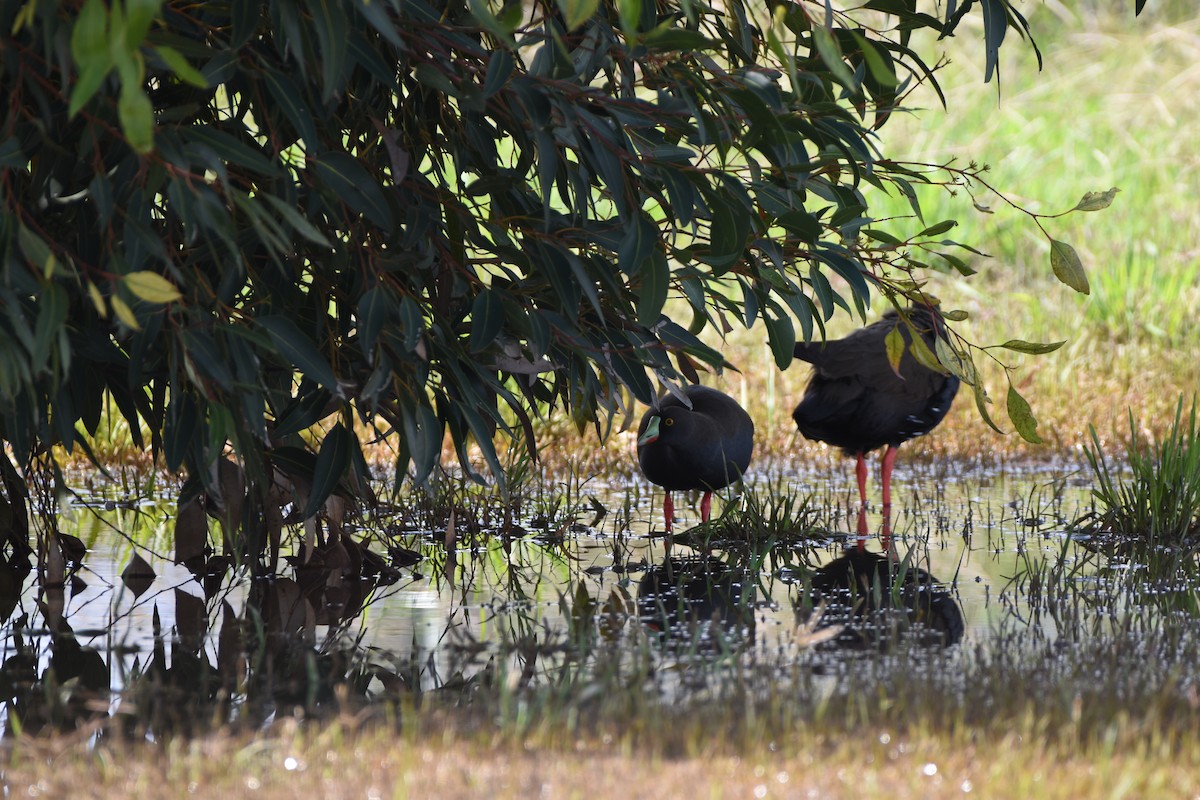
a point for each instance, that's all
(651, 432)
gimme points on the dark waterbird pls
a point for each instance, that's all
(702, 440)
(697, 600)
(856, 401)
(874, 597)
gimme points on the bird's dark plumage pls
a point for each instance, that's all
(707, 446)
(857, 402)
(857, 587)
(698, 599)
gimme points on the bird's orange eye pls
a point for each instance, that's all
(668, 421)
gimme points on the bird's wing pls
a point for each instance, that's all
(860, 354)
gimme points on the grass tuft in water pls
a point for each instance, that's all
(766, 515)
(1157, 503)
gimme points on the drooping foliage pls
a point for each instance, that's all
(235, 220)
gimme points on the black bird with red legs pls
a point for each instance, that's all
(702, 440)
(855, 400)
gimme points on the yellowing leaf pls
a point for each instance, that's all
(97, 300)
(952, 362)
(924, 355)
(151, 287)
(124, 313)
(894, 344)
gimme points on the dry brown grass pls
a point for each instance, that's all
(336, 761)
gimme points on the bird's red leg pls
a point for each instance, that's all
(705, 506)
(862, 529)
(861, 469)
(885, 536)
(889, 461)
(668, 510)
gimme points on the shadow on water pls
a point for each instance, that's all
(567, 597)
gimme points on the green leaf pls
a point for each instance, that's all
(89, 48)
(137, 117)
(995, 26)
(981, 403)
(500, 69)
(939, 228)
(349, 180)
(956, 262)
(487, 319)
(36, 250)
(1094, 201)
(52, 314)
(577, 12)
(1033, 348)
(630, 12)
(781, 335)
(498, 27)
(1022, 416)
(880, 66)
(287, 98)
(831, 54)
(213, 365)
(1067, 266)
(373, 310)
(656, 282)
(180, 428)
(423, 434)
(180, 66)
(298, 222)
(668, 39)
(151, 287)
(302, 413)
(638, 244)
(881, 236)
(299, 350)
(330, 22)
(139, 16)
(331, 465)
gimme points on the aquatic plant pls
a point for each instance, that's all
(1156, 503)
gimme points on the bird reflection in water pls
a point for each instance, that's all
(877, 598)
(697, 601)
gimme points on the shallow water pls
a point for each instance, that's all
(577, 581)
(974, 530)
